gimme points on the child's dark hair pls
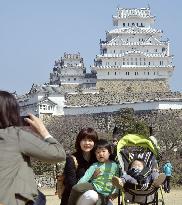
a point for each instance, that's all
(102, 143)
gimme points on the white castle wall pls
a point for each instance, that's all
(137, 106)
(31, 104)
(59, 100)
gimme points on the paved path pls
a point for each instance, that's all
(173, 198)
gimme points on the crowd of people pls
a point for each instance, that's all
(95, 179)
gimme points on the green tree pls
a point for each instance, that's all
(128, 123)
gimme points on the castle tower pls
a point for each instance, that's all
(69, 69)
(70, 72)
(134, 57)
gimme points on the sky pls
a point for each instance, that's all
(33, 34)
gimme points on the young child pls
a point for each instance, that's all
(102, 183)
(138, 174)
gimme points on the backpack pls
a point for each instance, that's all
(60, 180)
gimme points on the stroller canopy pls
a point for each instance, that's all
(136, 140)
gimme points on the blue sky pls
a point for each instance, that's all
(35, 33)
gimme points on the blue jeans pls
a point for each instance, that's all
(41, 200)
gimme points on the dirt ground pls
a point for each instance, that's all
(172, 198)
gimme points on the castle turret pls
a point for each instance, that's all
(70, 72)
(69, 69)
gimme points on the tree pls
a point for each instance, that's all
(128, 123)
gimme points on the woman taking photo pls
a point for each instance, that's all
(84, 155)
(17, 145)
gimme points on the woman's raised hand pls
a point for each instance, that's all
(37, 125)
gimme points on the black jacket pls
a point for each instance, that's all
(72, 175)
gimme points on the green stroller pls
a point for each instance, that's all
(130, 147)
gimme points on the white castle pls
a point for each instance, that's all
(132, 70)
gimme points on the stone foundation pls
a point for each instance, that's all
(110, 98)
(135, 86)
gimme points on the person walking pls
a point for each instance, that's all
(167, 169)
(17, 145)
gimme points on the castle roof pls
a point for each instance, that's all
(134, 30)
(133, 12)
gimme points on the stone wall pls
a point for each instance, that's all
(109, 98)
(65, 128)
(45, 181)
(136, 86)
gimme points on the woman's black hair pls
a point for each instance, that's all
(85, 133)
(9, 110)
(102, 143)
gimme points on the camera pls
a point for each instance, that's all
(23, 122)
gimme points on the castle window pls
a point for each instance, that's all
(115, 73)
(141, 24)
(154, 73)
(115, 63)
(155, 50)
(136, 61)
(68, 79)
(148, 73)
(133, 24)
(127, 73)
(161, 62)
(128, 24)
(114, 51)
(149, 63)
(137, 24)
(163, 49)
(108, 73)
(136, 73)
(74, 78)
(123, 24)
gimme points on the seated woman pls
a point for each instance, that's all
(84, 155)
(102, 184)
